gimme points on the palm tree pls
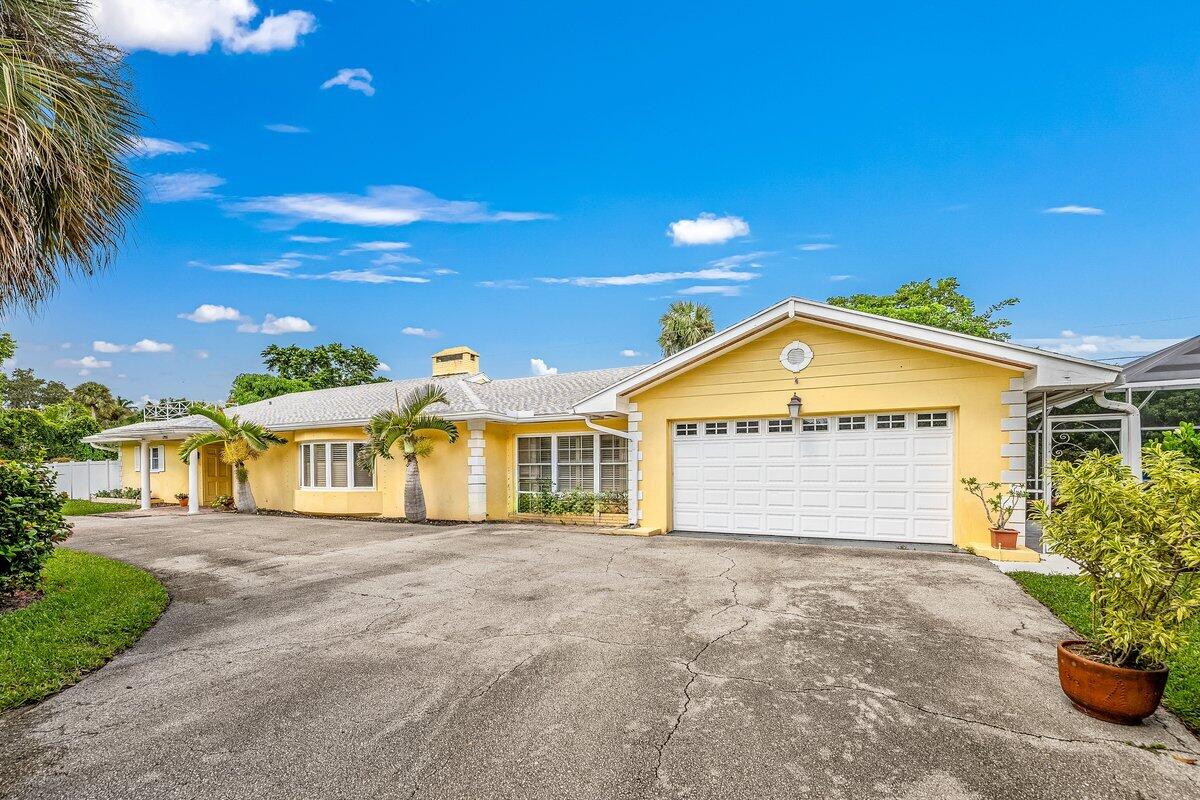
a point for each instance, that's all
(684, 324)
(66, 124)
(241, 442)
(95, 397)
(406, 426)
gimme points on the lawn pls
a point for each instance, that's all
(1067, 596)
(82, 508)
(92, 609)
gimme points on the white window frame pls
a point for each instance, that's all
(158, 453)
(350, 486)
(718, 428)
(926, 420)
(888, 422)
(852, 422)
(784, 425)
(686, 429)
(597, 461)
(747, 427)
(814, 425)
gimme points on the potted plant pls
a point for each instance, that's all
(182, 497)
(1137, 545)
(1000, 501)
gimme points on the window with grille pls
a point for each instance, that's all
(716, 428)
(686, 429)
(814, 424)
(576, 466)
(533, 463)
(746, 426)
(334, 465)
(852, 423)
(157, 455)
(614, 469)
(779, 426)
(934, 419)
(890, 422)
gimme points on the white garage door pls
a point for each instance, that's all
(887, 477)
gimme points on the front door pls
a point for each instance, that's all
(217, 475)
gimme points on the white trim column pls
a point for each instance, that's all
(634, 469)
(144, 457)
(194, 482)
(1015, 424)
(476, 471)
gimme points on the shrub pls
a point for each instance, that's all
(576, 502)
(31, 521)
(126, 493)
(222, 502)
(1137, 545)
(1184, 439)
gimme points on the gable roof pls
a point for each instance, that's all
(1042, 369)
(545, 397)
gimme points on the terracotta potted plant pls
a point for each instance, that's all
(1000, 501)
(1135, 543)
(182, 497)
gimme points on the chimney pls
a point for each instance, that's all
(455, 361)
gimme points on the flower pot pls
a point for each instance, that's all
(1113, 694)
(183, 501)
(1004, 538)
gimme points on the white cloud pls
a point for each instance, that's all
(411, 330)
(194, 26)
(839, 278)
(724, 291)
(172, 187)
(273, 326)
(627, 353)
(151, 346)
(383, 367)
(202, 354)
(395, 258)
(207, 312)
(305, 256)
(283, 127)
(646, 278)
(539, 367)
(376, 247)
(87, 363)
(149, 147)
(355, 79)
(1087, 211)
(360, 276)
(816, 247)
(503, 283)
(1092, 345)
(279, 268)
(381, 205)
(444, 271)
(311, 239)
(707, 229)
(107, 347)
(750, 259)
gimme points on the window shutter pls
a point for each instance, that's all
(338, 470)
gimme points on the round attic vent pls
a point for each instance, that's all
(796, 356)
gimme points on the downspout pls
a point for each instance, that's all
(1132, 446)
(631, 465)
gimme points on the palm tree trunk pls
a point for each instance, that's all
(243, 497)
(414, 496)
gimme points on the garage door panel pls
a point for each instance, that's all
(887, 481)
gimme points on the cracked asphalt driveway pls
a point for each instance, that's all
(309, 658)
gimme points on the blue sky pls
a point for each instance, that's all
(477, 166)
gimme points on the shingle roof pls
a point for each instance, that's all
(543, 395)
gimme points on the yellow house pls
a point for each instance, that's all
(803, 420)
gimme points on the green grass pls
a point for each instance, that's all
(82, 508)
(1068, 597)
(93, 608)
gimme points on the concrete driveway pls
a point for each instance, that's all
(322, 659)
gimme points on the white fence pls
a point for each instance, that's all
(81, 479)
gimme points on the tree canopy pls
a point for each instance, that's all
(685, 324)
(299, 369)
(938, 304)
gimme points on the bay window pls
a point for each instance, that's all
(334, 465)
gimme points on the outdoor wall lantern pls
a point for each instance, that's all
(794, 406)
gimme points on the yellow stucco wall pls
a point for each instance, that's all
(849, 373)
(163, 485)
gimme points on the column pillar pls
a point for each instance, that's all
(476, 471)
(144, 457)
(194, 482)
(1015, 424)
(633, 470)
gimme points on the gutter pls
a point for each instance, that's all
(626, 435)
(1131, 447)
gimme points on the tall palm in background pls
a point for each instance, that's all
(684, 324)
(240, 441)
(406, 426)
(66, 122)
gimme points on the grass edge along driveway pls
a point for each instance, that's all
(1069, 598)
(83, 508)
(92, 609)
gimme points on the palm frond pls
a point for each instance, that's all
(430, 422)
(420, 399)
(217, 416)
(197, 441)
